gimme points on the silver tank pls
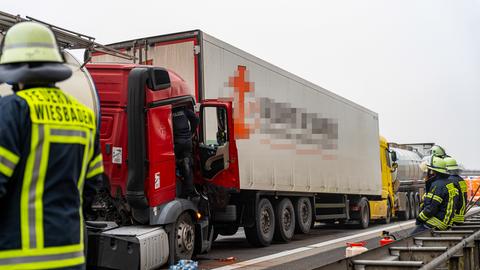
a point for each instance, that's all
(408, 165)
(80, 85)
(408, 173)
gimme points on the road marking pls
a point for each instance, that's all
(405, 225)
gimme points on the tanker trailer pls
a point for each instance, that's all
(80, 85)
(408, 183)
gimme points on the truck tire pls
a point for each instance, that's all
(303, 215)
(405, 215)
(412, 205)
(284, 221)
(364, 214)
(417, 204)
(388, 217)
(184, 237)
(261, 233)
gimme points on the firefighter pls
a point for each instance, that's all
(185, 123)
(454, 170)
(437, 151)
(439, 201)
(49, 153)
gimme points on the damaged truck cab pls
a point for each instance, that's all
(141, 183)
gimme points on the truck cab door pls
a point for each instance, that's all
(217, 146)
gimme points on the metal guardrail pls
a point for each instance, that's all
(457, 248)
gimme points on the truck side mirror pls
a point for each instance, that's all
(394, 156)
(158, 79)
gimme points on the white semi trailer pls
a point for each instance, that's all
(296, 141)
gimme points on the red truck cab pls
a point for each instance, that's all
(137, 143)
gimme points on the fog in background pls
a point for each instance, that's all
(416, 63)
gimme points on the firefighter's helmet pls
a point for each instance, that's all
(438, 151)
(437, 164)
(28, 42)
(30, 55)
(451, 164)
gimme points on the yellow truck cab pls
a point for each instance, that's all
(402, 183)
(382, 209)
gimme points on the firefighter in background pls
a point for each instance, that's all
(49, 153)
(185, 123)
(438, 206)
(457, 180)
(438, 151)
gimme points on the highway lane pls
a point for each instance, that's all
(320, 240)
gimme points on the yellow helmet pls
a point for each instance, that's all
(437, 164)
(27, 42)
(438, 151)
(451, 164)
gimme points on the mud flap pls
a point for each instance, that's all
(203, 236)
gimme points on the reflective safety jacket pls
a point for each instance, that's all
(458, 181)
(49, 153)
(439, 203)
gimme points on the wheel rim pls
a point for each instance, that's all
(304, 213)
(287, 219)
(265, 221)
(185, 237)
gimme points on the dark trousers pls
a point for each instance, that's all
(183, 155)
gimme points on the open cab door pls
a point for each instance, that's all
(218, 150)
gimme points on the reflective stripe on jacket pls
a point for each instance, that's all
(49, 152)
(460, 208)
(439, 204)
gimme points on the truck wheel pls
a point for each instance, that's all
(388, 217)
(261, 234)
(364, 213)
(185, 237)
(405, 215)
(412, 206)
(284, 221)
(417, 204)
(303, 215)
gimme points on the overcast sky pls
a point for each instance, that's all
(416, 63)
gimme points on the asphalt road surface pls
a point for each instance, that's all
(323, 245)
